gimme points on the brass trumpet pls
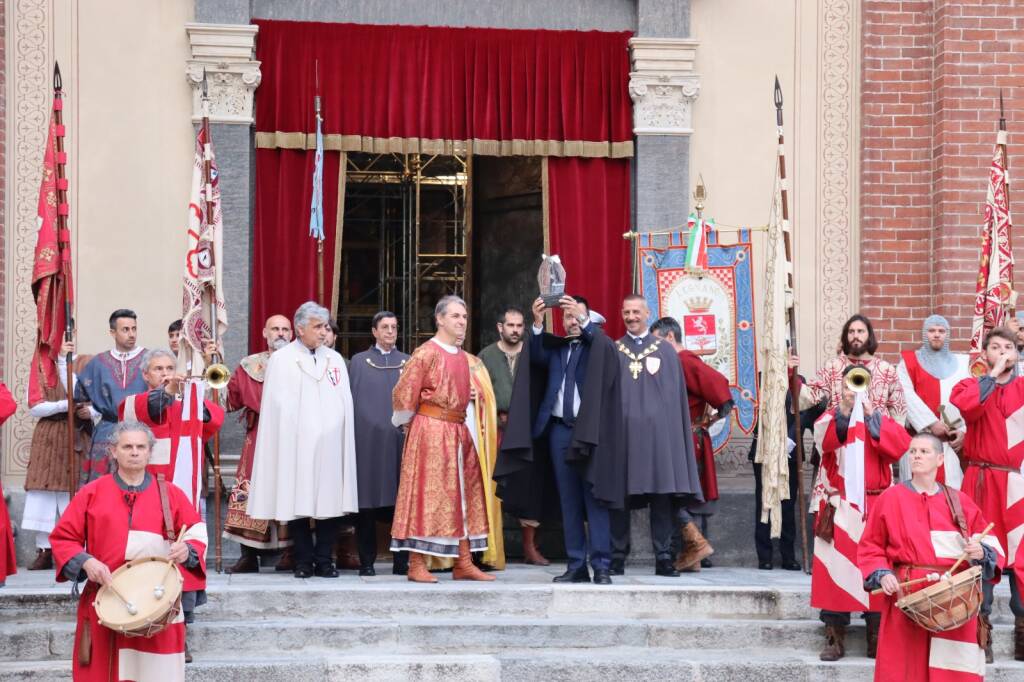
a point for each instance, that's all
(217, 375)
(857, 379)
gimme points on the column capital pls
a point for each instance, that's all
(226, 52)
(663, 85)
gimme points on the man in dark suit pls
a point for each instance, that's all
(566, 362)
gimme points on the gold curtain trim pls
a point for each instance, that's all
(415, 145)
(339, 233)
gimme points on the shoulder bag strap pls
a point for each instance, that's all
(165, 503)
(953, 500)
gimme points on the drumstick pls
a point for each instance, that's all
(158, 591)
(127, 604)
(963, 557)
(931, 576)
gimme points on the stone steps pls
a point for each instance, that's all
(622, 664)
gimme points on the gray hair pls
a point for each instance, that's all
(155, 353)
(308, 311)
(131, 427)
(442, 306)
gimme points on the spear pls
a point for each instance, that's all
(794, 377)
(64, 246)
(215, 358)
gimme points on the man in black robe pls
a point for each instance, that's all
(373, 375)
(661, 469)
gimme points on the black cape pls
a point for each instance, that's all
(523, 474)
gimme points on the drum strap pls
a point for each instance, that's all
(953, 500)
(165, 503)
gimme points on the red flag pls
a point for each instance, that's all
(995, 272)
(51, 268)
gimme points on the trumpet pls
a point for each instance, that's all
(217, 375)
(857, 379)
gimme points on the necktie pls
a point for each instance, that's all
(569, 387)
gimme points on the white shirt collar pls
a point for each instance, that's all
(449, 348)
(124, 357)
(641, 337)
(381, 350)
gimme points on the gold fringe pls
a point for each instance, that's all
(414, 145)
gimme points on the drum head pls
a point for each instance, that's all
(137, 581)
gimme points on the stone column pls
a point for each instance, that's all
(663, 86)
(226, 53)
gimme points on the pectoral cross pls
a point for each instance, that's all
(636, 367)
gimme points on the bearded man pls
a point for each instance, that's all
(928, 375)
(245, 392)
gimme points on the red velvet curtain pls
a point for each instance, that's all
(283, 255)
(451, 84)
(588, 210)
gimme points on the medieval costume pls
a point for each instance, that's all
(441, 509)
(928, 377)
(526, 505)
(842, 505)
(373, 374)
(304, 466)
(245, 392)
(50, 479)
(912, 533)
(884, 389)
(114, 522)
(178, 452)
(105, 382)
(705, 387)
(8, 558)
(635, 439)
(992, 456)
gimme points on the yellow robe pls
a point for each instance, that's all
(485, 437)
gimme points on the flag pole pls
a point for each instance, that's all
(320, 239)
(215, 358)
(1002, 140)
(794, 376)
(64, 246)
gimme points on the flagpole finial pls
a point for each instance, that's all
(1002, 111)
(700, 194)
(778, 102)
(58, 82)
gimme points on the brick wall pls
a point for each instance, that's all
(931, 74)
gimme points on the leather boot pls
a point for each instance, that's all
(44, 560)
(530, 552)
(1018, 638)
(695, 548)
(464, 568)
(418, 572)
(287, 561)
(834, 647)
(346, 550)
(249, 562)
(985, 636)
(872, 621)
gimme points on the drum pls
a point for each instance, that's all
(146, 597)
(947, 604)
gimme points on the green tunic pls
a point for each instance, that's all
(501, 373)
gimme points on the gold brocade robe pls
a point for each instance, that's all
(484, 431)
(440, 493)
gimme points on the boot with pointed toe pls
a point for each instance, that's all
(464, 568)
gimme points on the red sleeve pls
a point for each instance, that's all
(829, 441)
(893, 440)
(185, 515)
(244, 392)
(216, 419)
(706, 382)
(7, 404)
(966, 396)
(871, 554)
(69, 535)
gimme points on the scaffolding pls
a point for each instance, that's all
(407, 240)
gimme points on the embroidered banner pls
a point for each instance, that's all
(714, 307)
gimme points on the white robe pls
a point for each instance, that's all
(305, 459)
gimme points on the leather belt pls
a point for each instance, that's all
(442, 413)
(979, 485)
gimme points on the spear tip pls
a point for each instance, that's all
(57, 81)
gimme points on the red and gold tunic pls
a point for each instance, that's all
(440, 492)
(8, 560)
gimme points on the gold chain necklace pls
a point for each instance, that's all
(635, 367)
